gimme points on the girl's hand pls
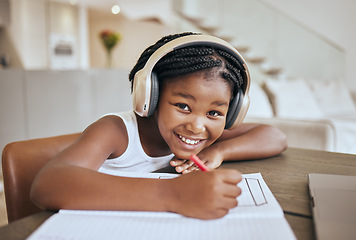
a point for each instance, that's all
(205, 195)
(211, 158)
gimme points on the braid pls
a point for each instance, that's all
(231, 64)
(150, 50)
(192, 59)
(186, 60)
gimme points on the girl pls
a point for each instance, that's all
(197, 84)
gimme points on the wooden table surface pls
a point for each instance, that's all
(285, 175)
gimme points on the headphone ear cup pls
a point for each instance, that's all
(154, 94)
(234, 109)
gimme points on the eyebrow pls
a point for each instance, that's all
(184, 95)
(218, 103)
(188, 96)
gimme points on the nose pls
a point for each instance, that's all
(196, 124)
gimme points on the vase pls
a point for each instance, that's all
(109, 59)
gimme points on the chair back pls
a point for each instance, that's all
(21, 161)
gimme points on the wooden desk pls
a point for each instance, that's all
(286, 176)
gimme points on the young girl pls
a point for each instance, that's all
(197, 84)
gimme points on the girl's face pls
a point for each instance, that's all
(192, 111)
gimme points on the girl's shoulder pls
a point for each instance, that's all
(107, 124)
(110, 133)
(123, 122)
(120, 119)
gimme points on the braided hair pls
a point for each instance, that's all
(191, 59)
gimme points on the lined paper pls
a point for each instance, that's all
(258, 216)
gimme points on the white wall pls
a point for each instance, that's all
(27, 32)
(43, 103)
(34, 22)
(136, 36)
(333, 19)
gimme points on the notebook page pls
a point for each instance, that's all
(256, 200)
(79, 226)
(258, 214)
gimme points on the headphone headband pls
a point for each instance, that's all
(142, 86)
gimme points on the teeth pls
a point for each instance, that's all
(188, 141)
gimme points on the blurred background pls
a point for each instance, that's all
(56, 75)
(65, 63)
(301, 37)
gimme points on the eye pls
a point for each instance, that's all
(214, 113)
(182, 106)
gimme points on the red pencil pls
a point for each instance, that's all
(198, 162)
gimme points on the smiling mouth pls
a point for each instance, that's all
(189, 141)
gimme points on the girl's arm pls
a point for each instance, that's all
(71, 181)
(247, 141)
(71, 176)
(251, 141)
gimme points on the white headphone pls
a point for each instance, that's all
(145, 90)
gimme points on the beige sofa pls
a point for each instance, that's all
(308, 134)
(313, 114)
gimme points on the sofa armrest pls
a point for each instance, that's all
(309, 134)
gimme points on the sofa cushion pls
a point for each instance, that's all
(292, 99)
(333, 97)
(309, 134)
(260, 105)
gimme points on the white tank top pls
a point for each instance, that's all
(134, 159)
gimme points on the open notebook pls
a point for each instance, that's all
(258, 216)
